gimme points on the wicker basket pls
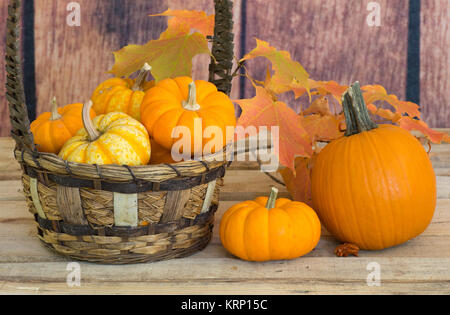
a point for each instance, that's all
(111, 213)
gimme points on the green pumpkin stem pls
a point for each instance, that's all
(143, 74)
(87, 122)
(191, 103)
(272, 198)
(356, 113)
(55, 114)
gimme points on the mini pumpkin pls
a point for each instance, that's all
(52, 129)
(122, 95)
(160, 155)
(269, 229)
(375, 187)
(180, 102)
(114, 138)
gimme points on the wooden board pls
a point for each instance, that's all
(419, 266)
(435, 62)
(333, 41)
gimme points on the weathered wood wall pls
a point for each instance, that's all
(435, 62)
(330, 38)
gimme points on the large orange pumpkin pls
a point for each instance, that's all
(180, 102)
(122, 95)
(52, 129)
(269, 229)
(375, 187)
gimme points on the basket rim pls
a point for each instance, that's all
(53, 164)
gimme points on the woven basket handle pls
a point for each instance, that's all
(219, 70)
(14, 81)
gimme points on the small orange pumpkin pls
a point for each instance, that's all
(160, 155)
(269, 229)
(52, 129)
(122, 95)
(180, 102)
(375, 187)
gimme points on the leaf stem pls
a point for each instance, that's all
(87, 122)
(272, 198)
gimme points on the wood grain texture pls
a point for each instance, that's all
(175, 203)
(71, 61)
(435, 63)
(333, 41)
(69, 203)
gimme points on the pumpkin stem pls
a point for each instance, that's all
(356, 114)
(87, 122)
(55, 114)
(143, 73)
(191, 103)
(272, 198)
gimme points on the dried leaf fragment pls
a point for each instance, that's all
(346, 249)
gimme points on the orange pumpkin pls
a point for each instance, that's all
(375, 187)
(269, 229)
(160, 155)
(52, 129)
(122, 95)
(180, 102)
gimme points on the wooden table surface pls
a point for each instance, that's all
(421, 266)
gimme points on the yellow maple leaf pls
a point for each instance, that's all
(288, 73)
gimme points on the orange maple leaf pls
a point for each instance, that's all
(264, 110)
(384, 113)
(186, 20)
(289, 74)
(373, 93)
(299, 183)
(323, 128)
(434, 136)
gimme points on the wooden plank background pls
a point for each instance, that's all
(330, 38)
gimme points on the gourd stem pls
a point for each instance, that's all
(356, 114)
(191, 103)
(272, 198)
(87, 122)
(143, 74)
(55, 114)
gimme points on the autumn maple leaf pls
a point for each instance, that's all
(374, 93)
(170, 55)
(299, 183)
(434, 136)
(289, 74)
(186, 20)
(264, 110)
